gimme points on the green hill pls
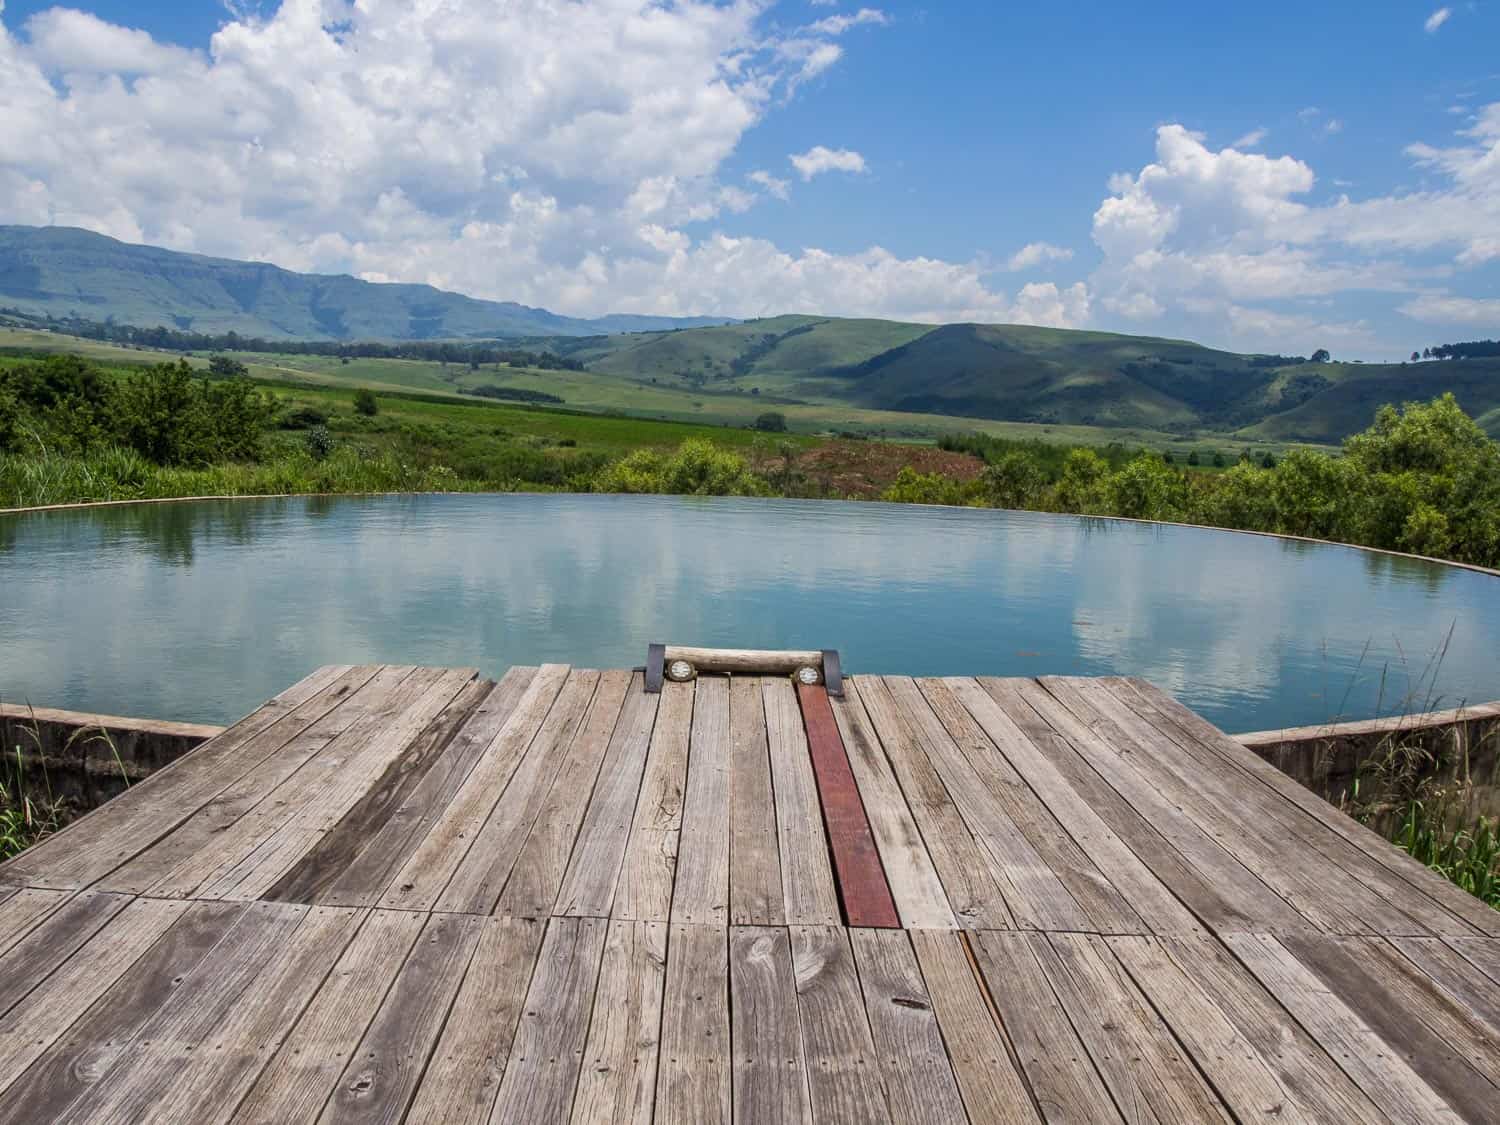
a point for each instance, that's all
(844, 373)
(64, 272)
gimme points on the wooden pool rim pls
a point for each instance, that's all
(1492, 572)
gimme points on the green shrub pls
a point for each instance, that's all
(303, 418)
(319, 443)
(912, 487)
(365, 402)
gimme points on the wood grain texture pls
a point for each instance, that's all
(382, 1074)
(423, 878)
(52, 942)
(301, 1075)
(71, 1065)
(802, 841)
(542, 1073)
(478, 880)
(1061, 1075)
(863, 892)
(770, 1072)
(914, 1067)
(909, 871)
(983, 1059)
(531, 891)
(964, 868)
(700, 894)
(617, 1082)
(755, 894)
(588, 887)
(693, 1071)
(461, 1081)
(843, 1071)
(1376, 1066)
(650, 865)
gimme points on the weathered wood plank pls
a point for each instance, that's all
(1380, 1071)
(340, 793)
(149, 1064)
(55, 1003)
(352, 837)
(532, 889)
(618, 1079)
(382, 1074)
(863, 891)
(1220, 889)
(913, 1063)
(215, 1076)
(481, 875)
(317, 752)
(101, 841)
(802, 841)
(301, 1075)
(909, 871)
(1387, 903)
(755, 894)
(1132, 1048)
(693, 1072)
(464, 1075)
(542, 1073)
(963, 866)
(982, 1056)
(646, 876)
(24, 909)
(588, 887)
(1247, 1083)
(700, 894)
(366, 874)
(1455, 1053)
(1431, 888)
(843, 1071)
(1478, 993)
(1105, 909)
(422, 879)
(27, 962)
(88, 1051)
(1324, 1091)
(298, 736)
(1063, 1079)
(1147, 895)
(770, 1073)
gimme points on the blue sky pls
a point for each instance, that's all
(1263, 177)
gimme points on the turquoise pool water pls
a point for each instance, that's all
(199, 611)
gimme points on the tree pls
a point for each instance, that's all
(1267, 461)
(1321, 356)
(1193, 458)
(226, 367)
(1218, 461)
(365, 402)
(1416, 356)
(771, 422)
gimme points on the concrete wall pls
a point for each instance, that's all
(1456, 751)
(90, 758)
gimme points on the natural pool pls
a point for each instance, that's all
(199, 611)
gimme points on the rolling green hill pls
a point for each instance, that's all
(822, 372)
(1049, 376)
(66, 272)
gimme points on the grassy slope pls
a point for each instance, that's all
(708, 409)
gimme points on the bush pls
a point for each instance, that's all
(696, 468)
(771, 422)
(319, 443)
(303, 418)
(365, 403)
(912, 487)
(172, 418)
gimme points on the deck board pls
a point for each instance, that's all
(398, 893)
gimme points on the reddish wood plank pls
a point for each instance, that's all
(862, 886)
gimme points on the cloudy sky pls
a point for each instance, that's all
(1272, 177)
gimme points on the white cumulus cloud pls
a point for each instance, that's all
(1436, 20)
(819, 159)
(1035, 254)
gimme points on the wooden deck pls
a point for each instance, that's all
(402, 893)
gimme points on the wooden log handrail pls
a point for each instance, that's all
(743, 661)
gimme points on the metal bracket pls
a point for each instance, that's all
(833, 677)
(656, 663)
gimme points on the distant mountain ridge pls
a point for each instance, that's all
(65, 271)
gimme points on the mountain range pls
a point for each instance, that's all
(1011, 373)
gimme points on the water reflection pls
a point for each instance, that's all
(200, 611)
